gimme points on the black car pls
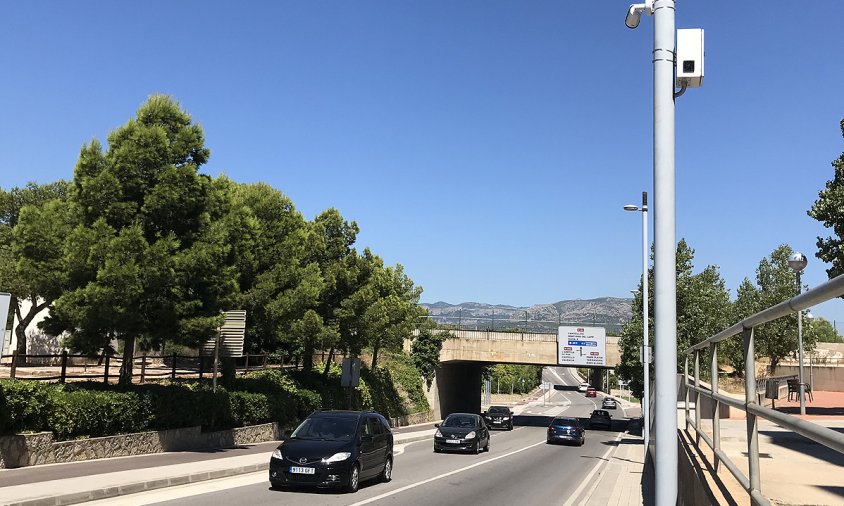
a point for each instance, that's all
(499, 417)
(609, 403)
(600, 418)
(462, 432)
(334, 449)
(566, 430)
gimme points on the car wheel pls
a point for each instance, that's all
(437, 450)
(477, 449)
(387, 473)
(511, 427)
(276, 485)
(354, 480)
(486, 448)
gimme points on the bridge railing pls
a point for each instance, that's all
(751, 406)
(503, 336)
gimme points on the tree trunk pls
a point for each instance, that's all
(328, 364)
(23, 323)
(375, 349)
(308, 357)
(128, 359)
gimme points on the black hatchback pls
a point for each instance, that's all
(334, 449)
(464, 432)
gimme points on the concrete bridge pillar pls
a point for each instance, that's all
(596, 378)
(459, 387)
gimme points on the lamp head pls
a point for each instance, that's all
(634, 13)
(797, 261)
(631, 207)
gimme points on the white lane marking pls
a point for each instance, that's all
(444, 475)
(182, 491)
(603, 460)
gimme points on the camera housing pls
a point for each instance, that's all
(690, 57)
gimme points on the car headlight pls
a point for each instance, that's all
(505, 417)
(277, 454)
(438, 433)
(337, 457)
(470, 435)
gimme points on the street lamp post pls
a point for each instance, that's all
(797, 261)
(645, 337)
(812, 354)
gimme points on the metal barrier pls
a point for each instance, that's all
(751, 406)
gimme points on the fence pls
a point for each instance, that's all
(65, 366)
(751, 406)
(500, 324)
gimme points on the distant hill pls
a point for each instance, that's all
(609, 312)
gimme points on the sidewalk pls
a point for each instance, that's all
(624, 480)
(104, 478)
(794, 470)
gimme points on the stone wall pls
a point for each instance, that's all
(34, 449)
(412, 419)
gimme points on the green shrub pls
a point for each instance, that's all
(188, 404)
(25, 404)
(250, 408)
(94, 413)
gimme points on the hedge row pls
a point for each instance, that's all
(94, 409)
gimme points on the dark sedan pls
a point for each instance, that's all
(464, 432)
(566, 430)
(600, 418)
(335, 449)
(499, 417)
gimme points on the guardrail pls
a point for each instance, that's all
(751, 406)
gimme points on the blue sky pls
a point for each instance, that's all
(488, 146)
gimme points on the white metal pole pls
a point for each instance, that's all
(645, 337)
(665, 280)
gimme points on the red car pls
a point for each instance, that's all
(590, 392)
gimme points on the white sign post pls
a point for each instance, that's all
(582, 346)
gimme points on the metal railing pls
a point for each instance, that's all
(825, 436)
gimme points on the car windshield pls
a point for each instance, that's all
(565, 422)
(499, 409)
(334, 428)
(463, 421)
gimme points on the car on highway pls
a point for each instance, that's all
(498, 417)
(609, 403)
(583, 387)
(464, 432)
(600, 418)
(566, 430)
(334, 449)
(591, 392)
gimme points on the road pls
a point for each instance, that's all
(520, 467)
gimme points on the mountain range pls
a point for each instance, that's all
(609, 312)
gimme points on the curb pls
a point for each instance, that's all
(140, 486)
(143, 486)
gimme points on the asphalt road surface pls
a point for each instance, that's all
(520, 467)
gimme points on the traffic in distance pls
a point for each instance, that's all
(503, 454)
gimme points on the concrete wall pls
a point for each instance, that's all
(459, 388)
(512, 348)
(828, 378)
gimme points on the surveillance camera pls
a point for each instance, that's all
(634, 14)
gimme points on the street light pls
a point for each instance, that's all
(645, 348)
(797, 262)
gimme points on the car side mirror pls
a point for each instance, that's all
(436, 426)
(286, 435)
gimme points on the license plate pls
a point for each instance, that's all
(302, 470)
(452, 441)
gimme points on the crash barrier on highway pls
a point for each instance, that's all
(751, 405)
